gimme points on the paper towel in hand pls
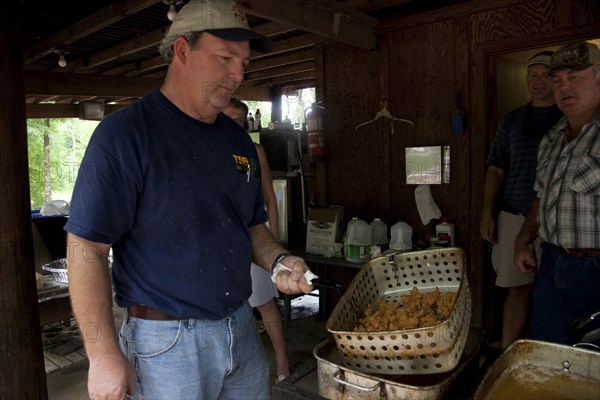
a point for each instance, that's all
(426, 206)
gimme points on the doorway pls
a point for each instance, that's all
(506, 90)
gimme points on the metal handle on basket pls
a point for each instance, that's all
(390, 254)
(338, 376)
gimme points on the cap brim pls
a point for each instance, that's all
(574, 67)
(257, 41)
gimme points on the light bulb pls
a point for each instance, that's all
(61, 60)
(172, 12)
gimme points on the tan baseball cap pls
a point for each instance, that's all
(576, 56)
(542, 57)
(222, 18)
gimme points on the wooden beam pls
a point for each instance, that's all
(280, 61)
(284, 79)
(371, 5)
(325, 18)
(22, 375)
(63, 110)
(284, 46)
(124, 49)
(121, 70)
(141, 43)
(148, 65)
(281, 71)
(259, 59)
(108, 15)
(69, 84)
(273, 28)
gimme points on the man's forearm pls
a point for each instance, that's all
(530, 227)
(264, 246)
(91, 295)
(493, 185)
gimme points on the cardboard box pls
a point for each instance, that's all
(324, 227)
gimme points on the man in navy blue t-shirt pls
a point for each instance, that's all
(508, 188)
(173, 186)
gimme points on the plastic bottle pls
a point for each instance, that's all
(445, 231)
(401, 236)
(359, 241)
(379, 234)
(345, 236)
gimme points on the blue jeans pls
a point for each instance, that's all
(565, 288)
(197, 359)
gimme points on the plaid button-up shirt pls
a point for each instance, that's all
(568, 185)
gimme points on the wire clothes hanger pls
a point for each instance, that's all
(384, 113)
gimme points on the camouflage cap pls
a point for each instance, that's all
(576, 56)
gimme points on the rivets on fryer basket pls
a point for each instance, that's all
(566, 365)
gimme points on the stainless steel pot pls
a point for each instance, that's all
(336, 381)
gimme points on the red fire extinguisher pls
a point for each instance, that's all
(314, 128)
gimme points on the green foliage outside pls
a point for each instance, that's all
(53, 178)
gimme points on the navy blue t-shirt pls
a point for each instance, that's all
(515, 151)
(175, 198)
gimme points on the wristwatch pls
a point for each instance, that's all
(278, 259)
(276, 267)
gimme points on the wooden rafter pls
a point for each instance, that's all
(69, 84)
(325, 18)
(86, 26)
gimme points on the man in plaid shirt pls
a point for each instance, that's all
(566, 211)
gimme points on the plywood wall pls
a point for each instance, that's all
(420, 65)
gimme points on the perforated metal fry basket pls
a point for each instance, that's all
(427, 350)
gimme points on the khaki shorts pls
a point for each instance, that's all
(503, 253)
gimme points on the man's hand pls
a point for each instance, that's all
(487, 228)
(111, 377)
(524, 258)
(293, 282)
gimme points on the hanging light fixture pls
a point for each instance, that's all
(62, 62)
(172, 10)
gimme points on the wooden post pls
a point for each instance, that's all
(22, 373)
(275, 95)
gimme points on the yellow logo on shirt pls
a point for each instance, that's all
(241, 163)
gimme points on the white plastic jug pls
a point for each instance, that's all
(379, 234)
(345, 237)
(401, 236)
(358, 241)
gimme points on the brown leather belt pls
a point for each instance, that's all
(577, 252)
(144, 312)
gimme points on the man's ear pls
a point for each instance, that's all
(181, 49)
